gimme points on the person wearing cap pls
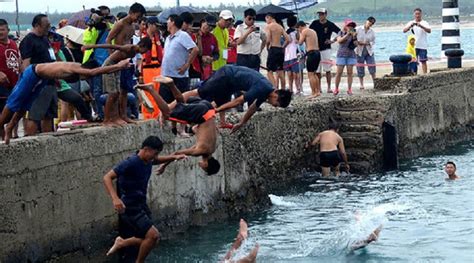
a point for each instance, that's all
(365, 49)
(346, 56)
(222, 35)
(324, 28)
(309, 37)
(420, 28)
(250, 41)
(208, 47)
(276, 50)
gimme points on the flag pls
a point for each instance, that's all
(296, 5)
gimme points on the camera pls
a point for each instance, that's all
(257, 29)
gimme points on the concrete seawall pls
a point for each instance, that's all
(52, 202)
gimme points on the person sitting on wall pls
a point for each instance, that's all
(231, 79)
(33, 79)
(133, 175)
(190, 110)
(450, 169)
(331, 147)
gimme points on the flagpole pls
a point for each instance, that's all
(16, 20)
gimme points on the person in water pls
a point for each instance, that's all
(371, 238)
(241, 236)
(190, 110)
(450, 169)
(32, 81)
(331, 147)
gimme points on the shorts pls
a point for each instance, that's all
(413, 66)
(4, 94)
(343, 61)
(421, 54)
(326, 64)
(292, 66)
(181, 83)
(275, 59)
(26, 90)
(249, 61)
(127, 81)
(330, 159)
(45, 106)
(313, 58)
(137, 220)
(365, 59)
(111, 81)
(194, 111)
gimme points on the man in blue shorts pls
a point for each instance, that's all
(255, 87)
(133, 175)
(33, 79)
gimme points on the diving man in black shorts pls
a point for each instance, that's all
(133, 175)
(231, 79)
(331, 147)
(190, 110)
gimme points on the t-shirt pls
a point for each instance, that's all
(345, 51)
(231, 79)
(101, 54)
(176, 54)
(232, 59)
(133, 175)
(324, 32)
(292, 48)
(72, 55)
(36, 48)
(222, 37)
(10, 62)
(420, 34)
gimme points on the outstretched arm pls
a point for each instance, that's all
(315, 141)
(87, 73)
(108, 46)
(250, 112)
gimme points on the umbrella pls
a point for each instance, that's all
(197, 13)
(296, 5)
(79, 19)
(72, 33)
(279, 12)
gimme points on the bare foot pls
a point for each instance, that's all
(163, 80)
(8, 134)
(128, 120)
(117, 245)
(119, 122)
(329, 91)
(109, 124)
(243, 229)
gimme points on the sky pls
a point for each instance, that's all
(76, 5)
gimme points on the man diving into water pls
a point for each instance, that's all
(231, 79)
(33, 79)
(371, 238)
(191, 110)
(241, 236)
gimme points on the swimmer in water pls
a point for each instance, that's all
(371, 238)
(450, 169)
(241, 236)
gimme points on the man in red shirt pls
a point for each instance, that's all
(9, 65)
(208, 48)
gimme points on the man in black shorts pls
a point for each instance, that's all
(230, 79)
(133, 175)
(331, 147)
(276, 50)
(190, 110)
(309, 37)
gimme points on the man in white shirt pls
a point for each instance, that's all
(249, 40)
(420, 28)
(365, 50)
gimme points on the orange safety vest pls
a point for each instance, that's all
(151, 67)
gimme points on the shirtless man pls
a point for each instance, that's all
(121, 34)
(450, 169)
(190, 110)
(331, 147)
(276, 51)
(309, 37)
(371, 238)
(241, 236)
(32, 80)
(112, 80)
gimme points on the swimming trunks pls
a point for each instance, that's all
(313, 58)
(194, 111)
(137, 220)
(330, 159)
(276, 58)
(26, 90)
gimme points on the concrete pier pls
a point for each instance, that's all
(53, 205)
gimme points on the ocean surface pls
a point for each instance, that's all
(425, 218)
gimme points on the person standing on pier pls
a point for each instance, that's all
(365, 50)
(420, 28)
(129, 200)
(309, 37)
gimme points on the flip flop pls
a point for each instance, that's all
(226, 126)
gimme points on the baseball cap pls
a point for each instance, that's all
(349, 22)
(226, 14)
(322, 10)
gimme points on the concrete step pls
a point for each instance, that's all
(363, 140)
(350, 104)
(366, 116)
(358, 155)
(360, 127)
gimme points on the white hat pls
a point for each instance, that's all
(322, 10)
(226, 14)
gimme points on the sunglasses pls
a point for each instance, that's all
(251, 18)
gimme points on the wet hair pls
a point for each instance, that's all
(213, 166)
(187, 17)
(333, 125)
(250, 12)
(3, 22)
(417, 9)
(300, 24)
(178, 21)
(37, 20)
(137, 8)
(291, 21)
(452, 163)
(153, 142)
(284, 97)
(371, 19)
(146, 43)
